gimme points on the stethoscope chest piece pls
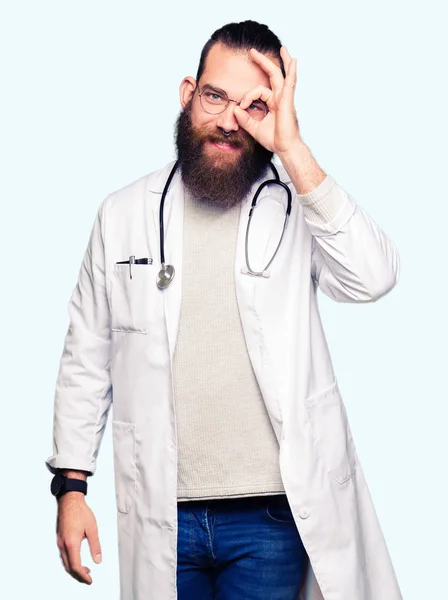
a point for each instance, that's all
(165, 276)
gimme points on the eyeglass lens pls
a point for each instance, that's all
(216, 101)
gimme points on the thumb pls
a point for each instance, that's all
(94, 544)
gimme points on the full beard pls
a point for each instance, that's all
(216, 178)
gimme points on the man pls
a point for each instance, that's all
(236, 473)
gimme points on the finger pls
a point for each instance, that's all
(290, 82)
(77, 571)
(246, 121)
(260, 92)
(64, 559)
(273, 70)
(63, 553)
(66, 563)
(94, 543)
(85, 576)
(286, 57)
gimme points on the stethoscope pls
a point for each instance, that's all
(166, 273)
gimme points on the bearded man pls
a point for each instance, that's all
(195, 317)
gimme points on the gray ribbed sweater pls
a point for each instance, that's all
(226, 444)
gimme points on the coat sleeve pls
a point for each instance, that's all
(83, 393)
(353, 260)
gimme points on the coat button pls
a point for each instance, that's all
(304, 513)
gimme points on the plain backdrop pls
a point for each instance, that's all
(89, 98)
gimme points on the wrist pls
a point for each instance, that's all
(61, 484)
(74, 474)
(73, 495)
(302, 168)
(296, 148)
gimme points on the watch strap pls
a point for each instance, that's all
(75, 485)
(61, 484)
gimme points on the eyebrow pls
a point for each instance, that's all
(214, 88)
(221, 91)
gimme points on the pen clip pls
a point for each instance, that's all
(131, 262)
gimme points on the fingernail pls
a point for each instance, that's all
(97, 558)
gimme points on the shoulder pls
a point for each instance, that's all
(139, 190)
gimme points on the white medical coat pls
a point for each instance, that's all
(118, 354)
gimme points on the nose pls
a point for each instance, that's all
(227, 120)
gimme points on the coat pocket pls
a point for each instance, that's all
(123, 438)
(131, 298)
(331, 431)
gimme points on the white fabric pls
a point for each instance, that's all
(122, 337)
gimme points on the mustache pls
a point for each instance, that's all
(234, 139)
(227, 140)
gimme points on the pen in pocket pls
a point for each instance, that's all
(134, 261)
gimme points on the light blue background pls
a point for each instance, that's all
(89, 99)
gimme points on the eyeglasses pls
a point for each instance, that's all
(215, 101)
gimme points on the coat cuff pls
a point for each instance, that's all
(72, 463)
(326, 208)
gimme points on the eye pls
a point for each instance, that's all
(257, 106)
(213, 96)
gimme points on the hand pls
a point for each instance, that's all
(279, 131)
(75, 522)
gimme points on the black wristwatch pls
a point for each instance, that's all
(60, 484)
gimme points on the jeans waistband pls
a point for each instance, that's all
(230, 502)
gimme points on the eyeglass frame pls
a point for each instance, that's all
(221, 91)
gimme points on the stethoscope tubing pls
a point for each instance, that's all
(253, 205)
(162, 204)
(275, 181)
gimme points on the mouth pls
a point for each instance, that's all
(225, 146)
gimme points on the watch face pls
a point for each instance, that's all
(56, 484)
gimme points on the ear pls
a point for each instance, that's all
(186, 90)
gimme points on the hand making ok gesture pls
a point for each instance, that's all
(279, 130)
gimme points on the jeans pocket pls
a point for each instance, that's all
(277, 509)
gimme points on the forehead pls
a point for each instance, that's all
(233, 70)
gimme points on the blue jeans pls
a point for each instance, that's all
(238, 549)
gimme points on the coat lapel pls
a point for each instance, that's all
(173, 218)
